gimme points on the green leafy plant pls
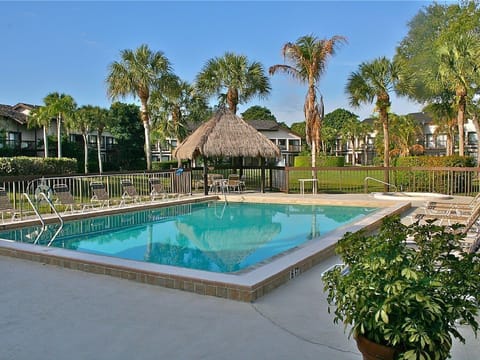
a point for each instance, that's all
(407, 287)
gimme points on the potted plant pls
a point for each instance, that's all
(406, 288)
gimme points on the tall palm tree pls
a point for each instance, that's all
(100, 121)
(60, 107)
(40, 117)
(233, 78)
(83, 122)
(137, 74)
(375, 80)
(457, 71)
(308, 57)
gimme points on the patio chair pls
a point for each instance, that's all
(234, 183)
(100, 194)
(216, 183)
(129, 192)
(65, 197)
(5, 205)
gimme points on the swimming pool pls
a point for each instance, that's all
(212, 236)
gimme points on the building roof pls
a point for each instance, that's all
(9, 112)
(422, 118)
(264, 125)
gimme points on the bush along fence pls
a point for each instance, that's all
(445, 180)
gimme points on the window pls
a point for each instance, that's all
(472, 138)
(441, 141)
(430, 141)
(14, 139)
(92, 139)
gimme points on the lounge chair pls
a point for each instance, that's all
(5, 205)
(100, 194)
(445, 206)
(467, 217)
(65, 197)
(157, 189)
(129, 192)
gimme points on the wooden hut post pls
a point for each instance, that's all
(205, 176)
(262, 185)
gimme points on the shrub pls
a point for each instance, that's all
(322, 161)
(166, 165)
(444, 181)
(21, 165)
(411, 298)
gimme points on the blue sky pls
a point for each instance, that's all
(67, 46)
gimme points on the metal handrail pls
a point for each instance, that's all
(377, 180)
(38, 215)
(42, 221)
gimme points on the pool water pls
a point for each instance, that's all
(213, 236)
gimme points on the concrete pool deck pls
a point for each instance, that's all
(48, 312)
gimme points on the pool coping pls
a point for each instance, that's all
(248, 285)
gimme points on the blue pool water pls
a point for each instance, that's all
(210, 236)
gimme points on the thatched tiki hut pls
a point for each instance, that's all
(226, 135)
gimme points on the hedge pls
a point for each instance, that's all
(166, 165)
(23, 165)
(442, 182)
(322, 161)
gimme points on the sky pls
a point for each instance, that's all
(67, 46)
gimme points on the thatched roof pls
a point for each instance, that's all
(226, 134)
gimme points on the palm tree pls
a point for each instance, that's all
(60, 107)
(443, 115)
(100, 120)
(241, 79)
(138, 73)
(457, 71)
(405, 132)
(308, 57)
(40, 117)
(375, 80)
(83, 122)
(172, 108)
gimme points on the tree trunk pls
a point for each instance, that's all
(99, 152)
(146, 126)
(312, 125)
(461, 122)
(314, 158)
(85, 149)
(59, 136)
(386, 145)
(232, 99)
(45, 141)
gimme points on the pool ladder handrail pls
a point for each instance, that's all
(377, 180)
(42, 221)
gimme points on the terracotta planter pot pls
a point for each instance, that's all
(374, 351)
